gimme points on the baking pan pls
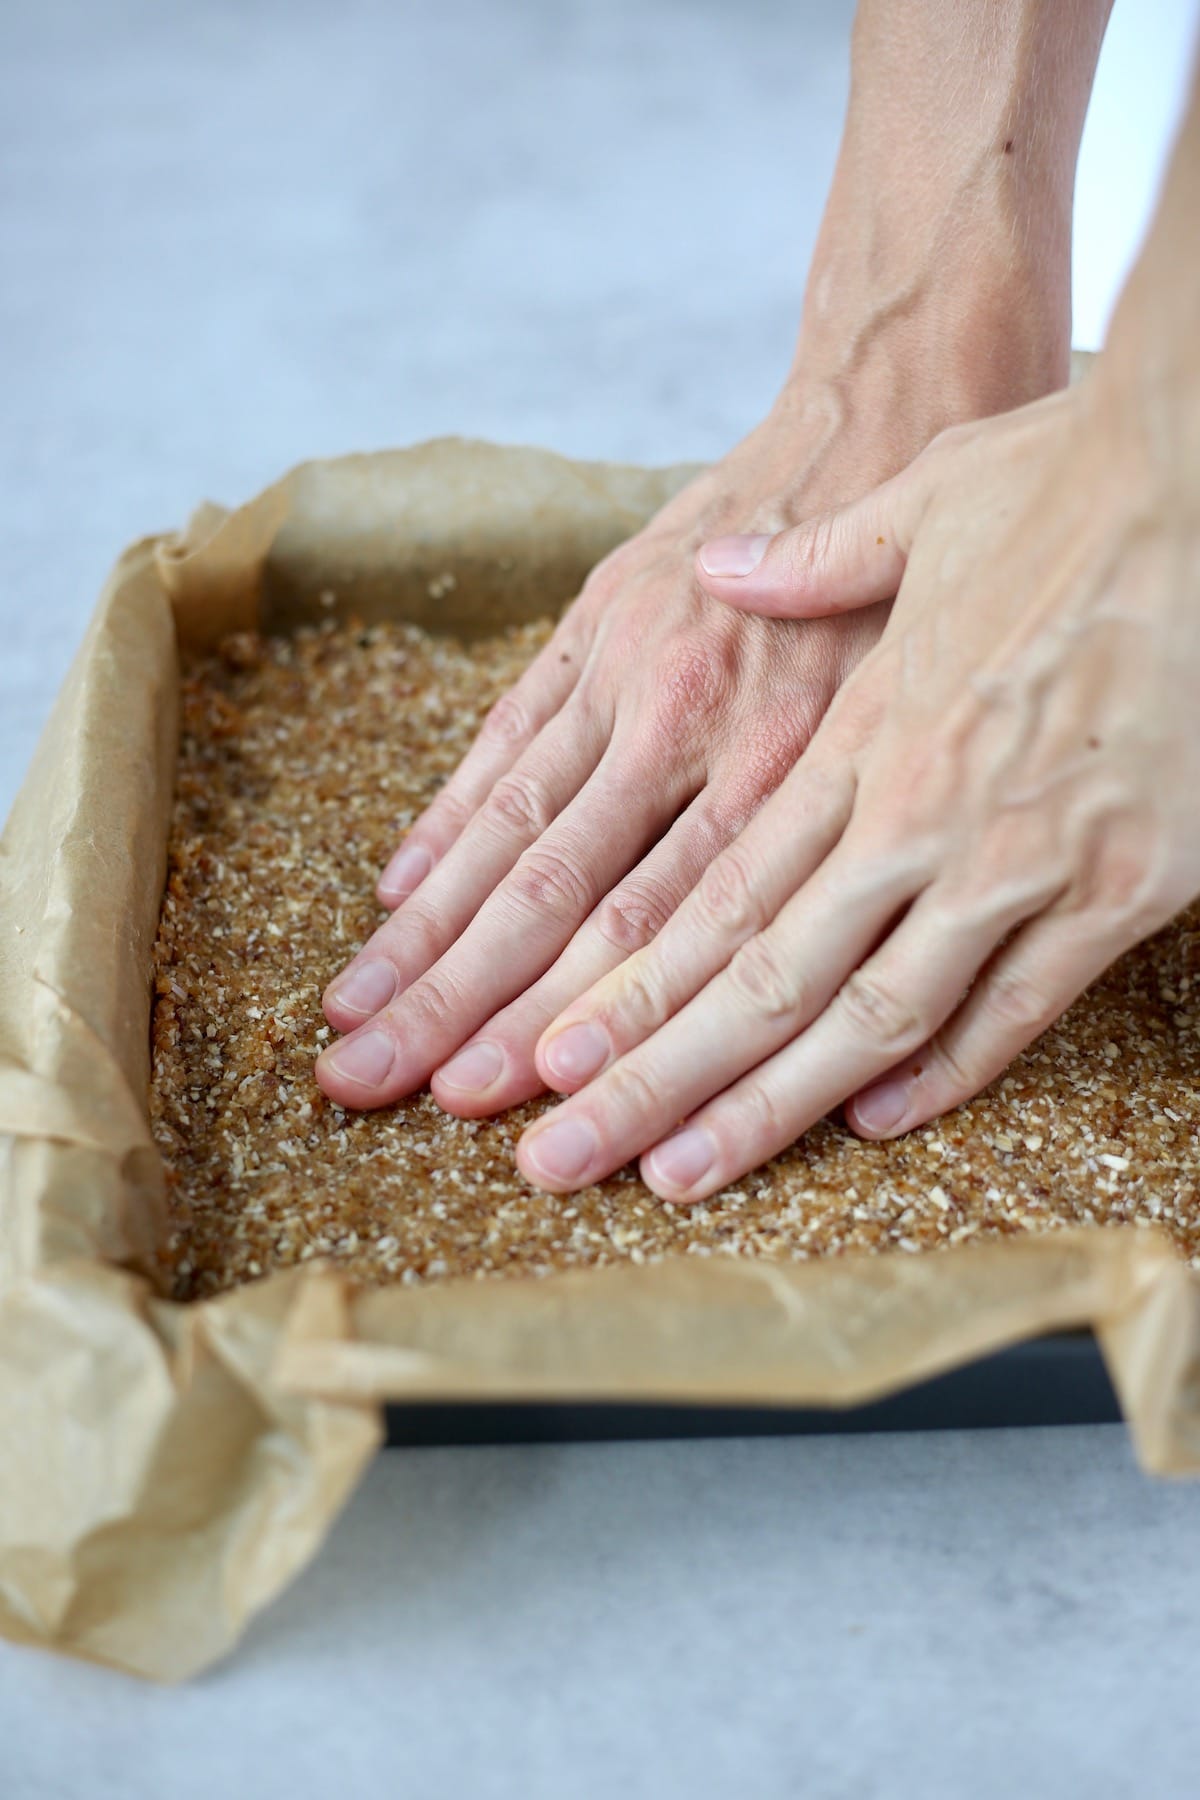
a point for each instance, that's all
(1056, 1380)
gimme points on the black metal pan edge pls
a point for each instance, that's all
(1055, 1380)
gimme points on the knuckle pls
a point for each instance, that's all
(726, 897)
(638, 996)
(760, 1122)
(689, 682)
(810, 551)
(450, 811)
(760, 976)
(545, 881)
(517, 804)
(436, 997)
(606, 577)
(423, 932)
(507, 722)
(1124, 898)
(1016, 1001)
(877, 1013)
(945, 1078)
(1123, 883)
(633, 914)
(631, 1090)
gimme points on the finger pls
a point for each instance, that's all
(879, 1011)
(498, 1068)
(510, 943)
(780, 980)
(1023, 990)
(520, 808)
(508, 730)
(737, 895)
(881, 1014)
(836, 562)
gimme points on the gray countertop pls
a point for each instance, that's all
(962, 1613)
(235, 235)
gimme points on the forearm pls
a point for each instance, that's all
(945, 246)
(1151, 363)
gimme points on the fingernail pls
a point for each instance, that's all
(366, 987)
(681, 1160)
(563, 1150)
(474, 1068)
(881, 1108)
(576, 1053)
(733, 555)
(407, 869)
(366, 1059)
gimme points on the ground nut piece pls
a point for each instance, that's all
(303, 760)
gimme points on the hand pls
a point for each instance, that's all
(1003, 798)
(638, 743)
(656, 722)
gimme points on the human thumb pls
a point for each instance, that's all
(832, 563)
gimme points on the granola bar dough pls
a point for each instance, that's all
(303, 760)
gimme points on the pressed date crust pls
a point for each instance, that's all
(303, 761)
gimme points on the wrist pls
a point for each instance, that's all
(951, 282)
(944, 253)
(921, 345)
(1148, 379)
(1144, 399)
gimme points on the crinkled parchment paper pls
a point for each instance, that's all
(165, 1469)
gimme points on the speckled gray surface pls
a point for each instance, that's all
(233, 235)
(970, 1614)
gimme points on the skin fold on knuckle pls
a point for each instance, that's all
(766, 981)
(633, 915)
(432, 1004)
(447, 815)
(940, 1080)
(879, 1015)
(507, 722)
(415, 934)
(807, 555)
(518, 806)
(627, 1096)
(627, 1003)
(548, 884)
(748, 1128)
(726, 902)
(1018, 1003)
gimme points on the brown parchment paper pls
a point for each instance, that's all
(166, 1469)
